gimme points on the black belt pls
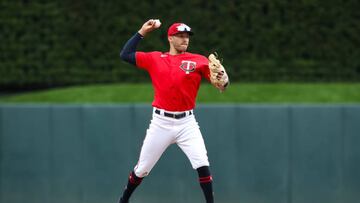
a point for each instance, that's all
(173, 115)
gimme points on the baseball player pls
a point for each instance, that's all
(176, 77)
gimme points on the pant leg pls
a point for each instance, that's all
(158, 137)
(192, 143)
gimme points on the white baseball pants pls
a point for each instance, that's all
(164, 131)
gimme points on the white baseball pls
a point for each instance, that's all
(157, 23)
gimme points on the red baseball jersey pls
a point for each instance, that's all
(175, 78)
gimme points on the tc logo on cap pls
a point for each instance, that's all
(183, 28)
(178, 28)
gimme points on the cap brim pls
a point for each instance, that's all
(189, 32)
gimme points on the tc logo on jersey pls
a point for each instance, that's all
(188, 66)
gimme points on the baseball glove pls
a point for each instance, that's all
(218, 75)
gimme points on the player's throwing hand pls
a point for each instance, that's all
(149, 26)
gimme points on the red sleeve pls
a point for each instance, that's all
(143, 59)
(205, 72)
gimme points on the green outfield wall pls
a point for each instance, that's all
(258, 154)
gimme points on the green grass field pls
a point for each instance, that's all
(236, 93)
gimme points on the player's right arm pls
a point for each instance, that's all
(128, 52)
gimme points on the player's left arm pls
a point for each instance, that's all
(216, 73)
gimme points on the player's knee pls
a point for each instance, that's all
(141, 173)
(199, 164)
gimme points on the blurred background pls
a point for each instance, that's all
(73, 115)
(57, 43)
